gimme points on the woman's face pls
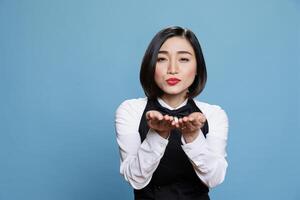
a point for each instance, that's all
(176, 66)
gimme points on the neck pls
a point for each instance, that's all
(174, 100)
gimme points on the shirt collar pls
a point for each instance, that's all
(164, 104)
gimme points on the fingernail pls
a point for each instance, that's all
(175, 119)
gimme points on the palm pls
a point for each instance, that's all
(159, 122)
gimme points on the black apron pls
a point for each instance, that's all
(175, 177)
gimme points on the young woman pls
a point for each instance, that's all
(171, 145)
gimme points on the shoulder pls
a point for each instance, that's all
(132, 106)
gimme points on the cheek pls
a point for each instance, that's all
(158, 74)
(191, 72)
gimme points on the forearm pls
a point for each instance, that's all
(139, 167)
(209, 164)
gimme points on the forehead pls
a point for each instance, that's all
(177, 44)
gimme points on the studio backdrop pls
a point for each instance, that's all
(65, 66)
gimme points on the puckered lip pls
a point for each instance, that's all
(172, 81)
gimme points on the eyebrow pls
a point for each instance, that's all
(180, 52)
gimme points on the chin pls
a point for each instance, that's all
(173, 92)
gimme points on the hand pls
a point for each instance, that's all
(190, 125)
(162, 124)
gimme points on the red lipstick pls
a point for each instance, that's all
(173, 81)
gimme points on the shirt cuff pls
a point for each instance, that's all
(155, 142)
(192, 148)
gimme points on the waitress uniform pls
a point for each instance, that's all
(175, 177)
(170, 169)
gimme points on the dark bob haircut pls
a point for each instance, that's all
(150, 58)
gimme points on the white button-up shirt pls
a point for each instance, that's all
(139, 159)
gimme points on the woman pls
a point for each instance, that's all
(172, 146)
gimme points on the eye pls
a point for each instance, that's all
(161, 59)
(184, 60)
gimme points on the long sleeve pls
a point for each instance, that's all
(138, 160)
(208, 155)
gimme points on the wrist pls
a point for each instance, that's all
(164, 134)
(190, 137)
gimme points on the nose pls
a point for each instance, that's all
(172, 68)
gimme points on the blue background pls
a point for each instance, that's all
(65, 66)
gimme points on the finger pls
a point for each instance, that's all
(180, 121)
(185, 119)
(198, 116)
(195, 114)
(157, 115)
(173, 123)
(202, 118)
(167, 120)
(167, 117)
(148, 115)
(182, 124)
(177, 124)
(191, 119)
(198, 122)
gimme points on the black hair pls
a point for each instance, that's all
(150, 58)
